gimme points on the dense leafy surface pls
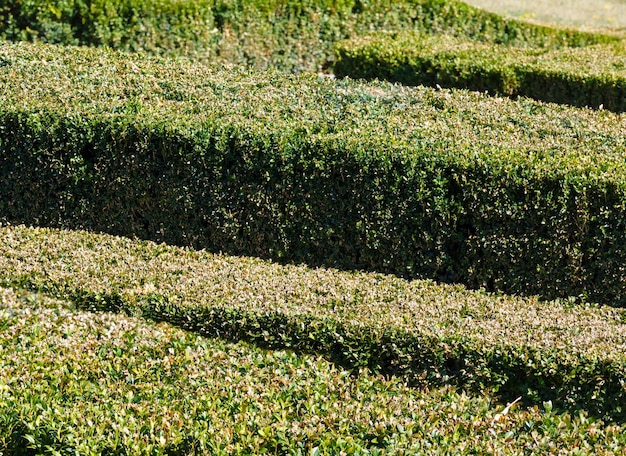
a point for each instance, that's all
(570, 354)
(589, 76)
(293, 35)
(458, 186)
(517, 196)
(81, 383)
(521, 196)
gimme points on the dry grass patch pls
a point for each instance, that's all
(587, 14)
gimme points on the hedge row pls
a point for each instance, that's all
(455, 186)
(133, 25)
(93, 384)
(590, 76)
(293, 35)
(571, 355)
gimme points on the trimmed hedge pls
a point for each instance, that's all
(132, 25)
(570, 354)
(93, 384)
(289, 34)
(590, 76)
(455, 186)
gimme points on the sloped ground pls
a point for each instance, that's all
(580, 13)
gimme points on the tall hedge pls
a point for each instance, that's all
(457, 186)
(288, 34)
(589, 76)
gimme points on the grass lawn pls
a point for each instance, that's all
(579, 13)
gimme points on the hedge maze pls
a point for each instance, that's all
(209, 246)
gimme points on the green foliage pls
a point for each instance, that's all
(449, 185)
(288, 34)
(423, 332)
(514, 196)
(132, 25)
(93, 384)
(590, 76)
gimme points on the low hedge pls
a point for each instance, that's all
(292, 35)
(569, 354)
(92, 384)
(590, 76)
(455, 186)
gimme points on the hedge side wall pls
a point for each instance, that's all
(590, 76)
(514, 196)
(292, 35)
(132, 25)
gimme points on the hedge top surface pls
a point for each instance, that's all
(108, 265)
(592, 76)
(388, 121)
(94, 383)
(607, 60)
(106, 381)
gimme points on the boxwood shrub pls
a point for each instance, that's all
(457, 186)
(590, 76)
(423, 332)
(292, 35)
(133, 25)
(73, 382)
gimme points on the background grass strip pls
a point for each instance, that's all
(588, 14)
(570, 354)
(591, 76)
